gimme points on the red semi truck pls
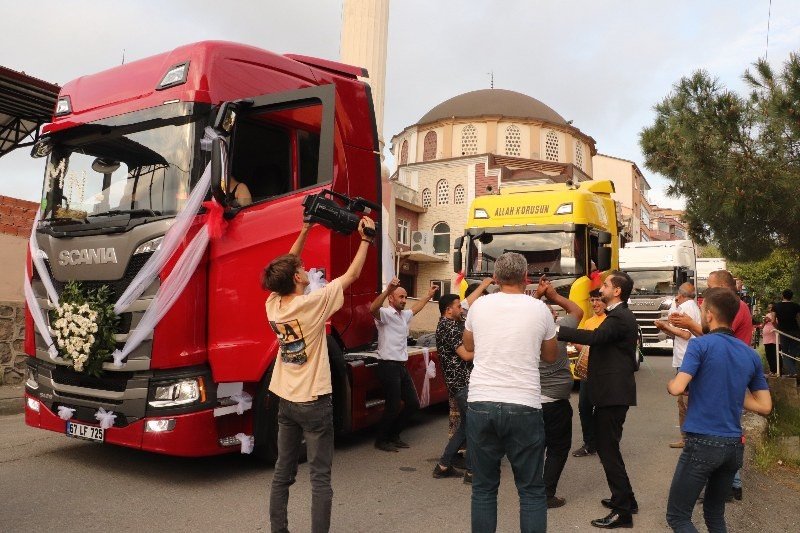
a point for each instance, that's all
(123, 155)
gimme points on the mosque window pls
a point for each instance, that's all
(442, 192)
(513, 141)
(579, 154)
(426, 197)
(404, 153)
(458, 195)
(429, 146)
(469, 140)
(551, 146)
(441, 238)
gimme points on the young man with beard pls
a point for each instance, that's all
(723, 375)
(392, 323)
(612, 391)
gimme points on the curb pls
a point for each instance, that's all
(11, 400)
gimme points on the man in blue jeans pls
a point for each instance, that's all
(509, 332)
(723, 375)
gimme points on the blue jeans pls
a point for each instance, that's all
(460, 435)
(517, 431)
(710, 462)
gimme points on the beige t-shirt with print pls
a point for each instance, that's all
(302, 371)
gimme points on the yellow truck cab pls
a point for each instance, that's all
(560, 228)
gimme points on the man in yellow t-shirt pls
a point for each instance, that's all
(585, 407)
(301, 377)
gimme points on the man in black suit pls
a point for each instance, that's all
(611, 367)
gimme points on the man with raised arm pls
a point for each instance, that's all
(612, 390)
(723, 376)
(392, 323)
(509, 333)
(302, 375)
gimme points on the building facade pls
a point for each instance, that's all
(468, 146)
(631, 194)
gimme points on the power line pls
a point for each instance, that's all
(769, 16)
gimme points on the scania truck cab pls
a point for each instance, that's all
(563, 230)
(658, 268)
(124, 152)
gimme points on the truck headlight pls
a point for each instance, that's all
(150, 246)
(181, 392)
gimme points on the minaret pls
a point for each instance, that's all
(365, 33)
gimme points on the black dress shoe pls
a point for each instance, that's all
(613, 521)
(399, 443)
(634, 506)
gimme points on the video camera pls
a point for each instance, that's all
(322, 208)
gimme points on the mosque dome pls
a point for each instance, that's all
(493, 102)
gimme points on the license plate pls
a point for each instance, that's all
(82, 431)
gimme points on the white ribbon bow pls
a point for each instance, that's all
(316, 280)
(430, 373)
(106, 418)
(247, 442)
(243, 401)
(65, 413)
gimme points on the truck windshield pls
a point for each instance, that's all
(553, 253)
(652, 282)
(140, 170)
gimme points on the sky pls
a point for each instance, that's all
(602, 63)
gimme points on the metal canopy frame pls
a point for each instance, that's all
(25, 104)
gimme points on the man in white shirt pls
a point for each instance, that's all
(684, 304)
(509, 333)
(392, 323)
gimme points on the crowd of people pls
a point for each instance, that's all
(506, 367)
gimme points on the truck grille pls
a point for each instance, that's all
(117, 286)
(86, 415)
(111, 381)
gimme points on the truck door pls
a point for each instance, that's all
(281, 148)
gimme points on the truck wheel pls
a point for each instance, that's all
(265, 423)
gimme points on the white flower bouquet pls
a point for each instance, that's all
(84, 325)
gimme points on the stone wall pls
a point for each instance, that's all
(12, 334)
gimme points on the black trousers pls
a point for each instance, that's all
(397, 386)
(771, 354)
(586, 413)
(608, 433)
(557, 441)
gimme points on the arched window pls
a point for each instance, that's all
(458, 195)
(404, 153)
(426, 197)
(429, 146)
(442, 192)
(441, 238)
(469, 140)
(551, 146)
(513, 141)
(579, 154)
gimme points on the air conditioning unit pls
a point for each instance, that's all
(422, 241)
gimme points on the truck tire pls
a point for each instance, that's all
(265, 423)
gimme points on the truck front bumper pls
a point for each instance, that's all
(193, 435)
(188, 431)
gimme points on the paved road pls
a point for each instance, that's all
(51, 483)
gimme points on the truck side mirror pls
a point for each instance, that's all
(457, 257)
(603, 237)
(603, 258)
(219, 183)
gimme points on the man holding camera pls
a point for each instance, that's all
(392, 323)
(301, 377)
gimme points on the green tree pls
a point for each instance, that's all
(736, 159)
(770, 276)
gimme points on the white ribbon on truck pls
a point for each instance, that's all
(430, 373)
